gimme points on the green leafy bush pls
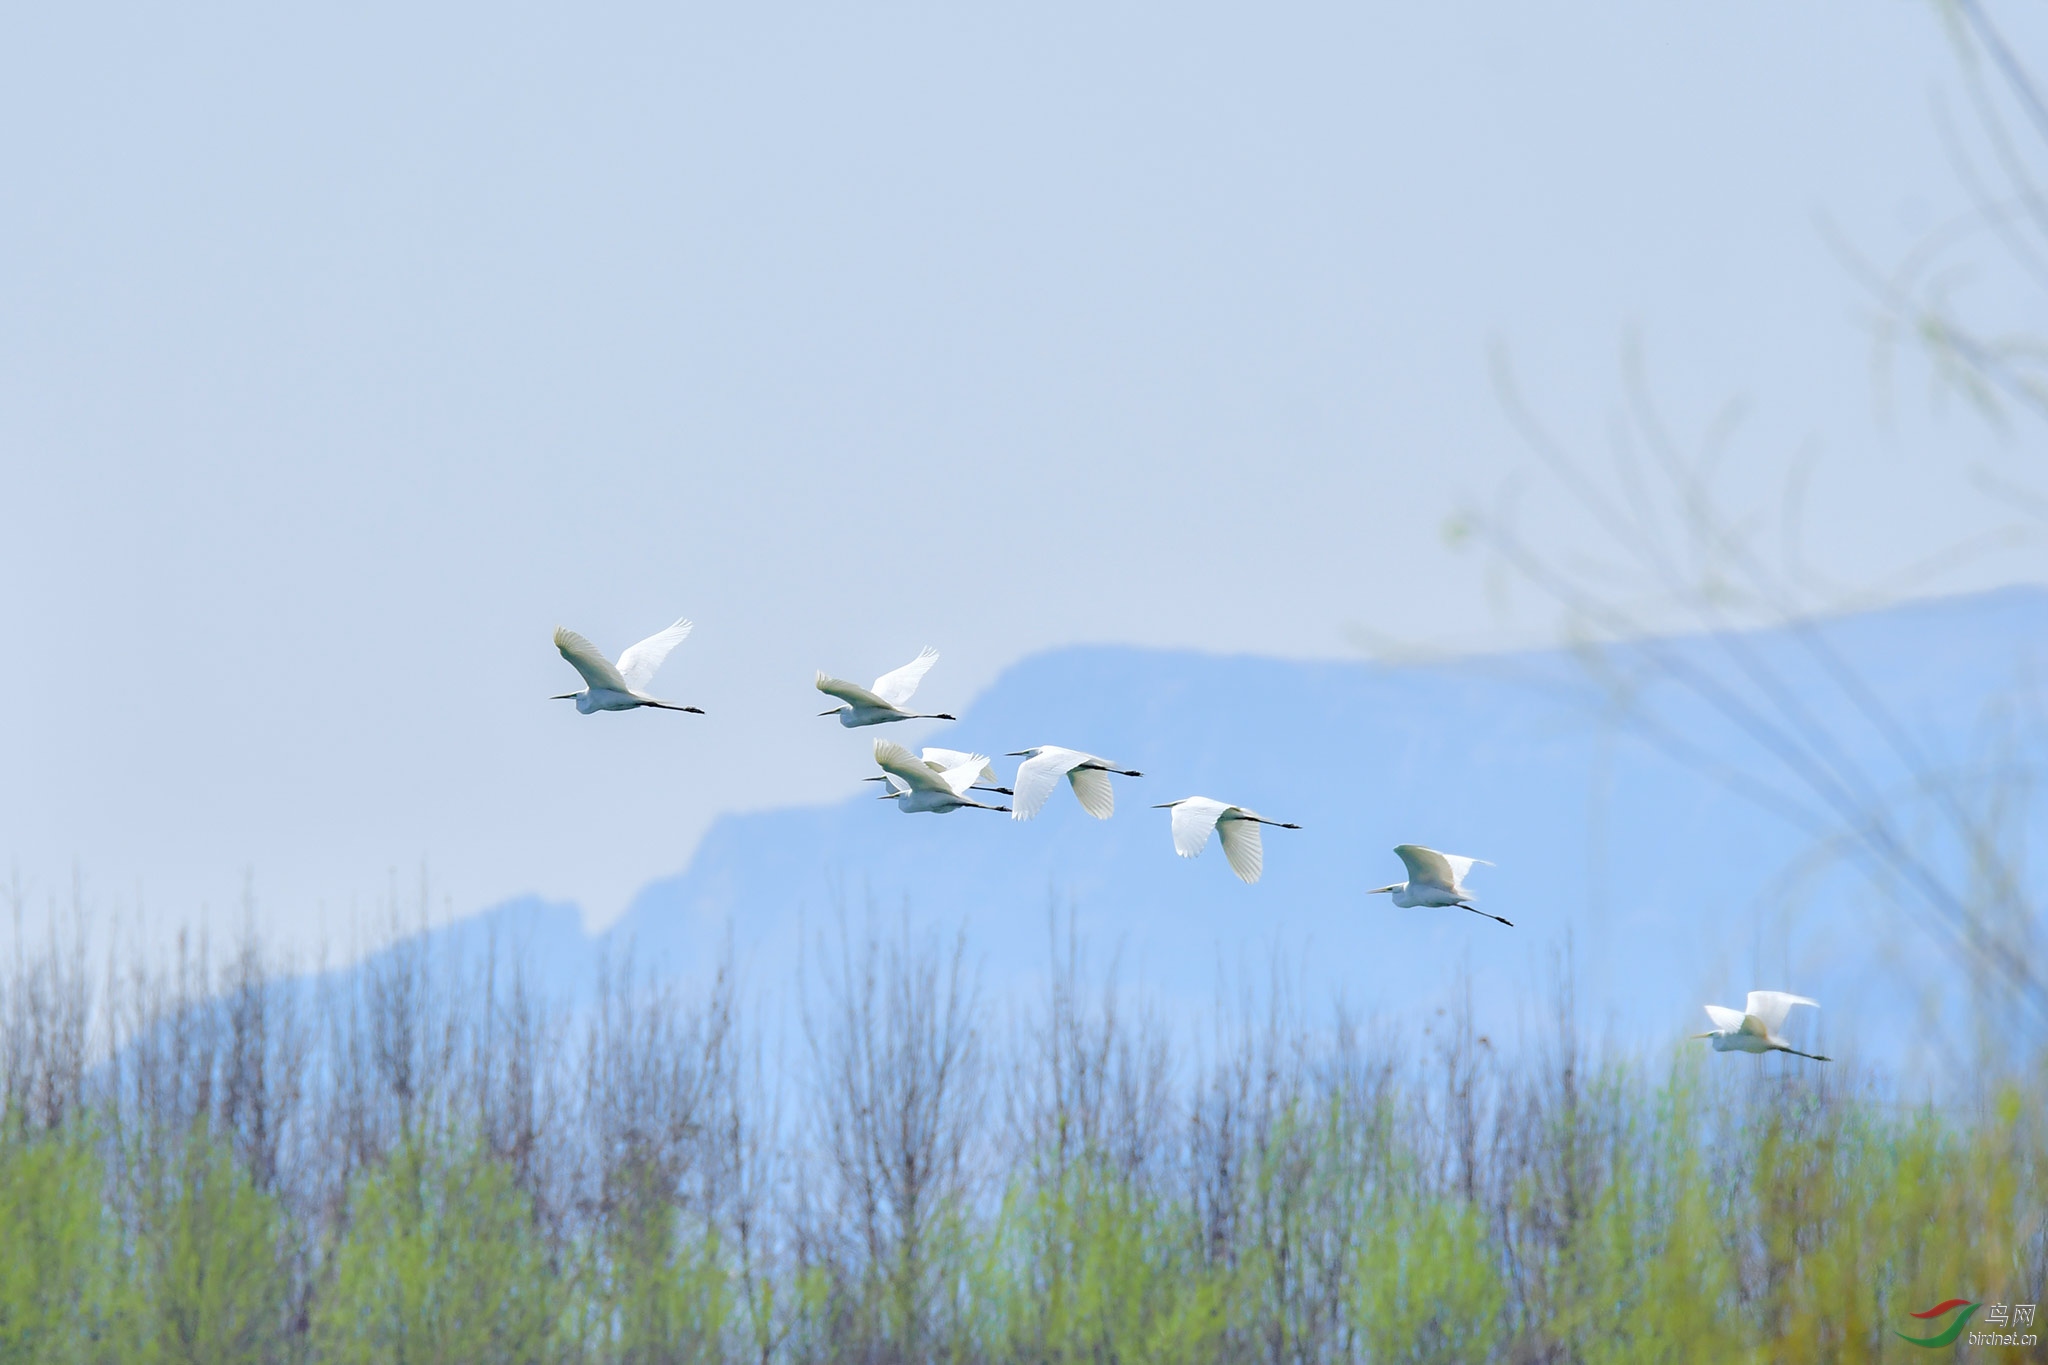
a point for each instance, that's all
(439, 1262)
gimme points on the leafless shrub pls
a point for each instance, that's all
(1087, 1081)
(898, 1076)
(49, 1005)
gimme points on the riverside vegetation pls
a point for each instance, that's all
(428, 1160)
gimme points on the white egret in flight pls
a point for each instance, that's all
(1195, 816)
(944, 760)
(623, 686)
(1042, 769)
(1434, 879)
(884, 701)
(1754, 1027)
(916, 787)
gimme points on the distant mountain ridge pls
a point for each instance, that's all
(1613, 810)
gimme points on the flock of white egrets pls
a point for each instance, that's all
(939, 781)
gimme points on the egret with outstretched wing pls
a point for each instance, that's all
(946, 760)
(916, 786)
(883, 702)
(1195, 817)
(621, 686)
(1755, 1027)
(1434, 879)
(1044, 766)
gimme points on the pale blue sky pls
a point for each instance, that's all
(346, 355)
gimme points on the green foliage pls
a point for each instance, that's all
(440, 1262)
(1679, 1267)
(58, 1250)
(1676, 1223)
(1085, 1265)
(212, 1283)
(1428, 1289)
(1864, 1219)
(665, 1294)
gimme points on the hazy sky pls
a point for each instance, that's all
(342, 356)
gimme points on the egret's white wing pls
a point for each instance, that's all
(1242, 845)
(1725, 1018)
(961, 776)
(637, 664)
(1193, 819)
(1769, 1008)
(850, 692)
(894, 784)
(1039, 774)
(583, 656)
(896, 686)
(1092, 789)
(947, 759)
(908, 768)
(1427, 867)
(1460, 865)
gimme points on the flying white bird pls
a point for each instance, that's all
(944, 760)
(1042, 769)
(1195, 816)
(1434, 879)
(916, 787)
(884, 701)
(1754, 1027)
(623, 686)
